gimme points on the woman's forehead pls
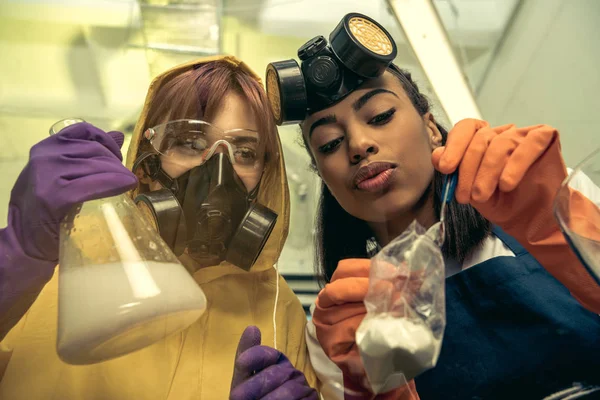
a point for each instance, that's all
(387, 81)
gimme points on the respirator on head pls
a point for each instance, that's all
(359, 49)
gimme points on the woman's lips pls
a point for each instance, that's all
(377, 182)
(373, 176)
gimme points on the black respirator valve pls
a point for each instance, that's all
(359, 49)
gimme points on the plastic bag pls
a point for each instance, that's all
(401, 336)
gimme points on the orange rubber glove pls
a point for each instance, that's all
(511, 176)
(338, 313)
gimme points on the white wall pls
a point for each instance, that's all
(546, 71)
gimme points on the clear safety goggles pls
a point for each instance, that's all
(188, 140)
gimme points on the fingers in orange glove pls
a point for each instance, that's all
(347, 290)
(493, 161)
(466, 145)
(339, 308)
(471, 163)
(459, 138)
(461, 135)
(393, 287)
(490, 158)
(352, 268)
(406, 392)
(341, 343)
(341, 300)
(534, 143)
(338, 313)
(526, 211)
(510, 154)
(355, 392)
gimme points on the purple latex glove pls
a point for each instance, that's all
(80, 163)
(262, 372)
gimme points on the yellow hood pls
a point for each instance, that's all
(273, 191)
(196, 363)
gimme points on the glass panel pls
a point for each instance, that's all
(476, 29)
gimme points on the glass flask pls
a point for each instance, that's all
(120, 286)
(579, 215)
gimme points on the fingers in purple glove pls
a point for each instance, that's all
(118, 137)
(88, 132)
(265, 381)
(77, 165)
(250, 362)
(80, 163)
(250, 338)
(258, 358)
(296, 389)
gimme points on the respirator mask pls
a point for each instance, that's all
(204, 208)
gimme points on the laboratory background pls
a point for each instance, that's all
(519, 61)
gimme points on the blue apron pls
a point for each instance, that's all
(512, 332)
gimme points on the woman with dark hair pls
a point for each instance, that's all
(521, 309)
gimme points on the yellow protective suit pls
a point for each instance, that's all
(194, 364)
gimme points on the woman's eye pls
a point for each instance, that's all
(245, 155)
(192, 144)
(199, 144)
(188, 145)
(383, 118)
(330, 147)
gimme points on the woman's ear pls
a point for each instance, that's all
(142, 176)
(434, 134)
(146, 183)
